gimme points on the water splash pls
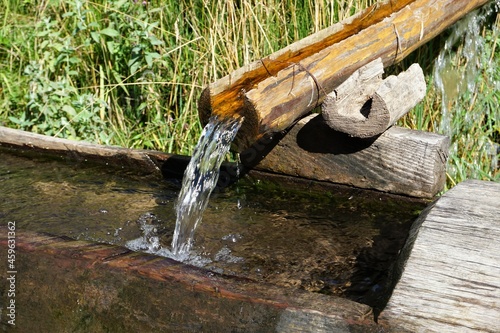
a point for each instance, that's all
(465, 44)
(200, 179)
(458, 70)
(150, 240)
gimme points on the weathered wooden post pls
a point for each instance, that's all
(272, 93)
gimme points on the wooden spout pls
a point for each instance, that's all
(274, 92)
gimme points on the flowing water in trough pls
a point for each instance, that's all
(329, 240)
(200, 178)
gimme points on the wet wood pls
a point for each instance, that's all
(67, 285)
(400, 161)
(365, 105)
(450, 267)
(150, 163)
(272, 93)
(142, 161)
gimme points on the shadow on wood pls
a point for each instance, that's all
(400, 161)
(317, 137)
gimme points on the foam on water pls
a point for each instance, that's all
(149, 242)
(200, 179)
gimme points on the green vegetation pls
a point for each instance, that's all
(129, 73)
(465, 103)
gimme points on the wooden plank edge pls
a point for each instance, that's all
(138, 160)
(454, 291)
(400, 161)
(269, 307)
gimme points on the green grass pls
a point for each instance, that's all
(126, 73)
(467, 107)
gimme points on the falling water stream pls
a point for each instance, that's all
(200, 179)
(457, 68)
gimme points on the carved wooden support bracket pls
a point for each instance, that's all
(365, 105)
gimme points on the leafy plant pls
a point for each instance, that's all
(129, 73)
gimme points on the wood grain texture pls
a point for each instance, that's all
(145, 161)
(399, 161)
(73, 285)
(272, 93)
(451, 276)
(224, 95)
(346, 102)
(366, 105)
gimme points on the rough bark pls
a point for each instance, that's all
(272, 93)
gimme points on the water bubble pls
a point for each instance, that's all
(225, 255)
(232, 237)
(117, 231)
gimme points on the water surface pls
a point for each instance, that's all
(332, 241)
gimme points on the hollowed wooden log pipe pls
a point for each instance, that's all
(273, 92)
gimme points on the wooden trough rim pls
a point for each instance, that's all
(159, 165)
(141, 160)
(192, 279)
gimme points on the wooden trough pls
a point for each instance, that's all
(446, 276)
(63, 284)
(445, 280)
